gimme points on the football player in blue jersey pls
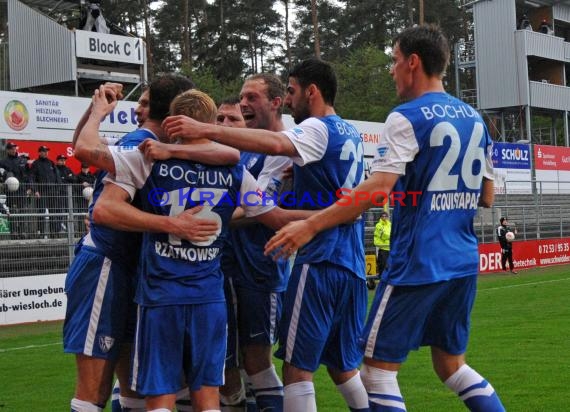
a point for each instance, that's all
(437, 145)
(234, 394)
(180, 295)
(325, 302)
(253, 283)
(100, 280)
(259, 282)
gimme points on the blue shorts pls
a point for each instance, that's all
(177, 344)
(259, 313)
(99, 305)
(323, 317)
(233, 351)
(403, 318)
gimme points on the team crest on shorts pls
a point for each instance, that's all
(106, 343)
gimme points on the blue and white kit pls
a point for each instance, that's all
(440, 147)
(325, 302)
(178, 277)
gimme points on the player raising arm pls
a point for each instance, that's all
(178, 276)
(326, 298)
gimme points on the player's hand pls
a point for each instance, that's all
(103, 102)
(115, 88)
(289, 239)
(182, 127)
(154, 150)
(194, 229)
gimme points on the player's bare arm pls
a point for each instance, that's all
(210, 153)
(113, 209)
(117, 88)
(89, 148)
(277, 217)
(487, 193)
(296, 234)
(251, 140)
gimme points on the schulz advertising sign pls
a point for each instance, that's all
(511, 163)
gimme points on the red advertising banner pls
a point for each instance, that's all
(526, 254)
(55, 149)
(551, 157)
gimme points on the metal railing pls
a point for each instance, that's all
(39, 227)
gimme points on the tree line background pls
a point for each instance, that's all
(219, 42)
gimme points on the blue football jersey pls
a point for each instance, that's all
(441, 148)
(257, 271)
(339, 165)
(116, 244)
(175, 271)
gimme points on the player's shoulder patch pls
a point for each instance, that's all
(382, 150)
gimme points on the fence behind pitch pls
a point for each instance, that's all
(39, 227)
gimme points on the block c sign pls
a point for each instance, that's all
(101, 46)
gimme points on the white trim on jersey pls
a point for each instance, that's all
(273, 167)
(131, 169)
(371, 342)
(96, 308)
(249, 185)
(488, 172)
(310, 138)
(397, 147)
(292, 332)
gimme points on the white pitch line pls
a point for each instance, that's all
(524, 284)
(29, 347)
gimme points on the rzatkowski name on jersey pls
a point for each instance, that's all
(455, 200)
(186, 253)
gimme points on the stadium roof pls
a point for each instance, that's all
(53, 5)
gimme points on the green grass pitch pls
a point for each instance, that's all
(520, 342)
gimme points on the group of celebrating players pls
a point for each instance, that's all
(186, 312)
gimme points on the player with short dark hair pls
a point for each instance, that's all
(229, 114)
(437, 145)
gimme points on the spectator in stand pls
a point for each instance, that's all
(85, 177)
(66, 175)
(45, 180)
(15, 166)
(66, 178)
(525, 23)
(545, 28)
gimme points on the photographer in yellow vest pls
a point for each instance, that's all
(382, 241)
